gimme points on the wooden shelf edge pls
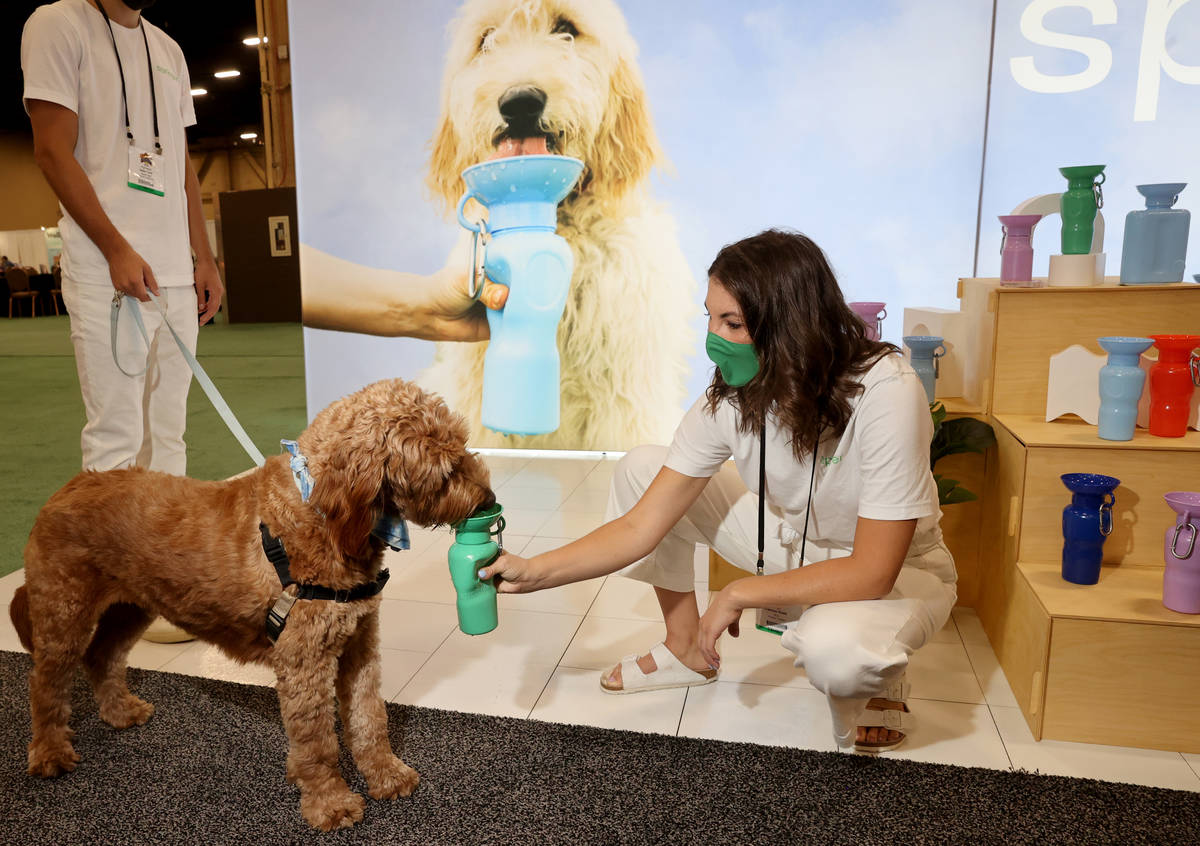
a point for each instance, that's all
(1125, 594)
(1072, 433)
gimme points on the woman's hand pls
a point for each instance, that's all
(722, 614)
(514, 574)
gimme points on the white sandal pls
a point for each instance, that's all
(887, 710)
(669, 673)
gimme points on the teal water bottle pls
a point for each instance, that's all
(1079, 206)
(473, 548)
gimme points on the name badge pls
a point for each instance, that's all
(146, 172)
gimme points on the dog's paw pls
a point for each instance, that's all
(329, 811)
(396, 779)
(45, 762)
(126, 711)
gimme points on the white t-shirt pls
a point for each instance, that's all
(878, 468)
(67, 57)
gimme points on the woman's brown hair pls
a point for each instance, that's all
(811, 347)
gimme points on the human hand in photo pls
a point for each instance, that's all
(514, 574)
(722, 615)
(348, 297)
(209, 291)
(131, 274)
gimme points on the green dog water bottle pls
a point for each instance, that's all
(474, 548)
(1078, 207)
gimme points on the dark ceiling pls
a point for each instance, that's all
(210, 32)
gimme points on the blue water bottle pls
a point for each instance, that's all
(1086, 522)
(1156, 237)
(521, 366)
(1122, 380)
(923, 356)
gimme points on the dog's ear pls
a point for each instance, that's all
(444, 179)
(347, 490)
(626, 146)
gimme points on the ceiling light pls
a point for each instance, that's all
(196, 92)
(227, 74)
(254, 42)
(248, 136)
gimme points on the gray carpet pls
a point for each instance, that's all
(208, 769)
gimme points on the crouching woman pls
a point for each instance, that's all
(829, 497)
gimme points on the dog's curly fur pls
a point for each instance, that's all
(626, 332)
(111, 550)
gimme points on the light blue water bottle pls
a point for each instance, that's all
(521, 366)
(1121, 383)
(923, 356)
(1156, 237)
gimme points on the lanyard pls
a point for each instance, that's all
(149, 72)
(762, 496)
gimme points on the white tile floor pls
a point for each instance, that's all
(543, 661)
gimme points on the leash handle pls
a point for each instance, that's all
(202, 377)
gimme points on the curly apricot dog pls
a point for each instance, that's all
(112, 550)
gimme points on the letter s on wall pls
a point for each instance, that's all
(1098, 53)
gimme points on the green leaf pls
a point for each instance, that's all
(962, 434)
(950, 493)
(956, 496)
(938, 412)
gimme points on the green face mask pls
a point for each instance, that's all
(738, 363)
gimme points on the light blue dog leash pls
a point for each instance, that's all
(206, 383)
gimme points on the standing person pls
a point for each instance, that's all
(848, 528)
(108, 95)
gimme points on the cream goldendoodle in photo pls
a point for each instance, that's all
(527, 77)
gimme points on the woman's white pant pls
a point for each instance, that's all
(851, 651)
(132, 420)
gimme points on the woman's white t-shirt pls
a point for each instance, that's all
(67, 58)
(877, 468)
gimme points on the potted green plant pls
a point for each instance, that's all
(962, 434)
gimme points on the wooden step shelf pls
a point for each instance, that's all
(1104, 663)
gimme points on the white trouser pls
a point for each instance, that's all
(850, 650)
(132, 420)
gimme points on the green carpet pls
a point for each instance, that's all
(258, 368)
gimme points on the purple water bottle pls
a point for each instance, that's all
(1016, 249)
(1181, 554)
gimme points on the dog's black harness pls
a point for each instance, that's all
(277, 615)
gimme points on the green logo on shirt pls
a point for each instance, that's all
(833, 459)
(167, 71)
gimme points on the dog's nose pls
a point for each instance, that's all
(489, 499)
(521, 109)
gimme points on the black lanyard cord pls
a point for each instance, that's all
(762, 492)
(762, 495)
(121, 70)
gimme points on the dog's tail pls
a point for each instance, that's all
(19, 611)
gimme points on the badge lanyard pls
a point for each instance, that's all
(762, 496)
(145, 170)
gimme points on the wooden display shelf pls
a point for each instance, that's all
(959, 407)
(1104, 663)
(1033, 431)
(1032, 324)
(1124, 594)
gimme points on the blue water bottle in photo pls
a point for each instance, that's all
(521, 366)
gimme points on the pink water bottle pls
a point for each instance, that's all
(1016, 250)
(872, 314)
